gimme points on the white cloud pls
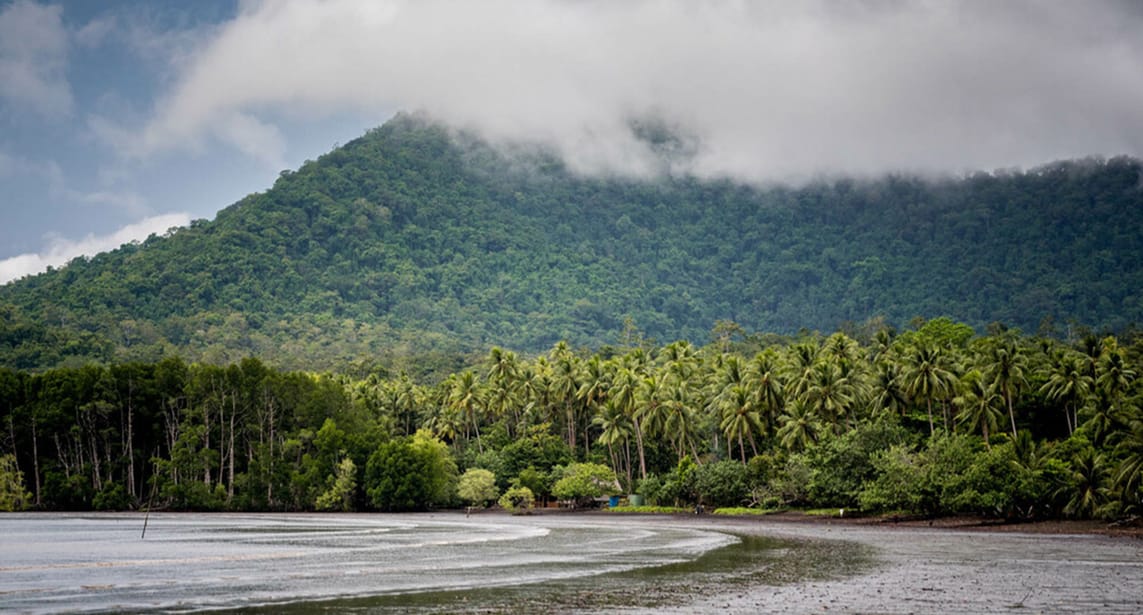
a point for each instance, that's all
(253, 137)
(33, 59)
(770, 89)
(60, 251)
(95, 32)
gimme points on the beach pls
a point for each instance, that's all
(587, 561)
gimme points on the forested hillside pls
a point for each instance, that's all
(414, 248)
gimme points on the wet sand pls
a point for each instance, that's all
(778, 564)
(798, 564)
(914, 568)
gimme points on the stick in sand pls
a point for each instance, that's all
(147, 516)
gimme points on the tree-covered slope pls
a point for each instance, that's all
(411, 242)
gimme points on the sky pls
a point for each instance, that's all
(122, 118)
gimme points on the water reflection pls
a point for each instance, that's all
(750, 561)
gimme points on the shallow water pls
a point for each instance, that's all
(445, 562)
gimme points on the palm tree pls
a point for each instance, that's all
(445, 423)
(927, 376)
(1069, 383)
(466, 396)
(800, 363)
(798, 427)
(679, 422)
(408, 401)
(979, 406)
(882, 344)
(887, 391)
(841, 349)
(536, 391)
(565, 387)
(829, 394)
(503, 399)
(502, 365)
(1088, 484)
(616, 428)
(624, 392)
(740, 418)
(1004, 367)
(503, 381)
(766, 386)
(649, 405)
(678, 352)
(732, 373)
(1114, 376)
(592, 392)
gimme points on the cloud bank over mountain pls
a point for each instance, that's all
(60, 250)
(118, 111)
(768, 90)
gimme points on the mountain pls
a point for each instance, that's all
(414, 245)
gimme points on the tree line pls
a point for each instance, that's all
(933, 420)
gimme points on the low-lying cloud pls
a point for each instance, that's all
(61, 250)
(770, 90)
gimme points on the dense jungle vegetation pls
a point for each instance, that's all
(416, 249)
(934, 420)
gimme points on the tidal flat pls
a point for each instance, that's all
(491, 563)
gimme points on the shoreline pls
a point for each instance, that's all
(1053, 527)
(962, 523)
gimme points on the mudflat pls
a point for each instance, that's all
(952, 566)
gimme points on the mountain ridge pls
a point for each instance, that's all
(412, 241)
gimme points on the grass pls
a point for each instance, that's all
(650, 509)
(733, 511)
(742, 510)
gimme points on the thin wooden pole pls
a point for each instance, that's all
(147, 516)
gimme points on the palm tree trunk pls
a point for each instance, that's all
(571, 427)
(611, 453)
(639, 447)
(1011, 414)
(929, 405)
(627, 465)
(587, 438)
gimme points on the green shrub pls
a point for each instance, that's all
(517, 500)
(722, 483)
(584, 481)
(477, 487)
